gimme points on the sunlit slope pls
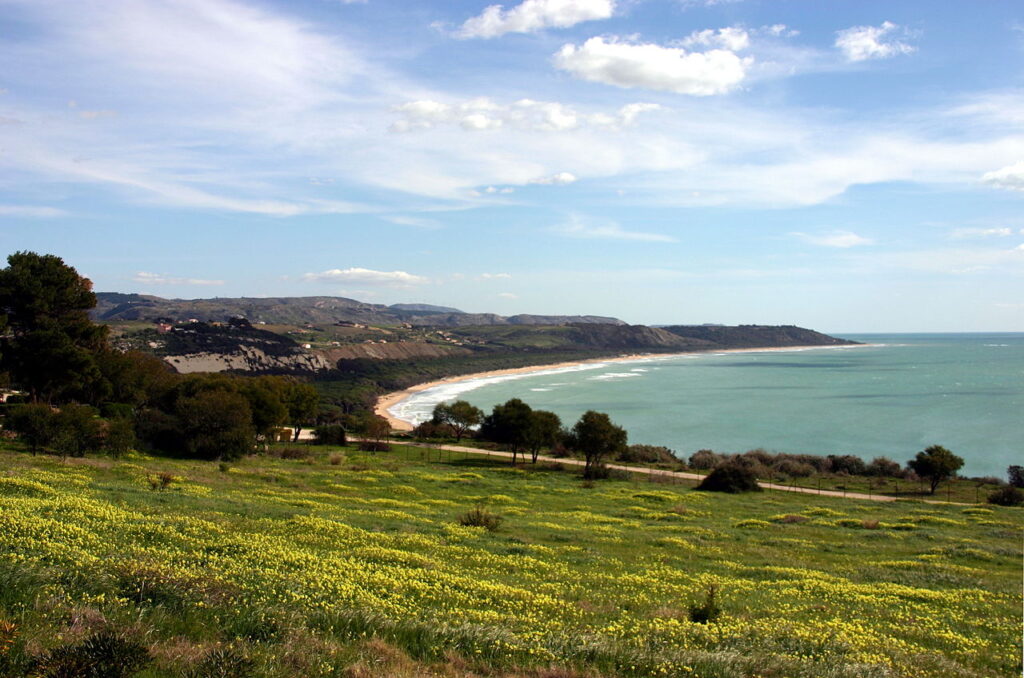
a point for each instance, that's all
(597, 578)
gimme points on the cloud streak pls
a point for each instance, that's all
(366, 276)
(534, 15)
(147, 278)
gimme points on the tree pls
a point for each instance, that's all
(303, 402)
(936, 464)
(34, 423)
(77, 431)
(597, 437)
(215, 424)
(51, 344)
(119, 438)
(1015, 475)
(460, 415)
(509, 425)
(544, 431)
(265, 396)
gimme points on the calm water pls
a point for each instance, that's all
(894, 398)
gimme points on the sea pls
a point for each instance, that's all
(893, 396)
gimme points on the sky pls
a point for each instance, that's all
(850, 166)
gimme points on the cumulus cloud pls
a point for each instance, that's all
(732, 38)
(1010, 177)
(560, 179)
(147, 278)
(861, 43)
(366, 276)
(964, 233)
(33, 211)
(534, 15)
(482, 114)
(576, 227)
(649, 66)
(841, 239)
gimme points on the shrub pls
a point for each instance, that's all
(102, 655)
(224, 467)
(222, 661)
(160, 481)
(1007, 495)
(794, 469)
(336, 459)
(648, 454)
(705, 459)
(429, 430)
(846, 463)
(731, 477)
(708, 611)
(883, 467)
(329, 434)
(1015, 475)
(119, 437)
(291, 453)
(481, 517)
(374, 446)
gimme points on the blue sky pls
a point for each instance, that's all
(847, 166)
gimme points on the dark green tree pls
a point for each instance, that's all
(460, 415)
(216, 424)
(119, 437)
(35, 423)
(597, 438)
(77, 431)
(1015, 475)
(50, 344)
(935, 464)
(509, 425)
(265, 396)
(544, 431)
(303, 403)
(733, 477)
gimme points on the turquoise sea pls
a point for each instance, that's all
(893, 397)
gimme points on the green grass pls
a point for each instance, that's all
(360, 568)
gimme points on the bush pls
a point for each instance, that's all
(160, 481)
(329, 434)
(1015, 475)
(704, 460)
(1007, 495)
(481, 517)
(732, 477)
(373, 446)
(846, 463)
(291, 453)
(794, 469)
(102, 655)
(119, 437)
(648, 454)
(883, 467)
(429, 430)
(708, 611)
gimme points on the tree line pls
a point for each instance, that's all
(82, 396)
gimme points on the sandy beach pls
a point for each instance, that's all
(389, 400)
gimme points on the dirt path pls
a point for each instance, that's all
(660, 472)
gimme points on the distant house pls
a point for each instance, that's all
(164, 328)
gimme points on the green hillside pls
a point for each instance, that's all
(338, 563)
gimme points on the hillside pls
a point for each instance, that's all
(351, 565)
(115, 306)
(754, 336)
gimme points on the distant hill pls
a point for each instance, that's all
(114, 306)
(754, 336)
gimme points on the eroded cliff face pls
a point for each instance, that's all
(253, 359)
(249, 359)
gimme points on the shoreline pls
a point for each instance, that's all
(388, 400)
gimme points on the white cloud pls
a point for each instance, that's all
(367, 276)
(732, 38)
(650, 66)
(493, 276)
(146, 278)
(33, 211)
(560, 179)
(508, 295)
(861, 43)
(1010, 177)
(534, 15)
(965, 233)
(842, 239)
(484, 114)
(415, 222)
(576, 227)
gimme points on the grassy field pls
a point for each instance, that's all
(351, 564)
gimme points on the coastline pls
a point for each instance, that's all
(389, 400)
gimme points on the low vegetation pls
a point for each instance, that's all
(358, 564)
